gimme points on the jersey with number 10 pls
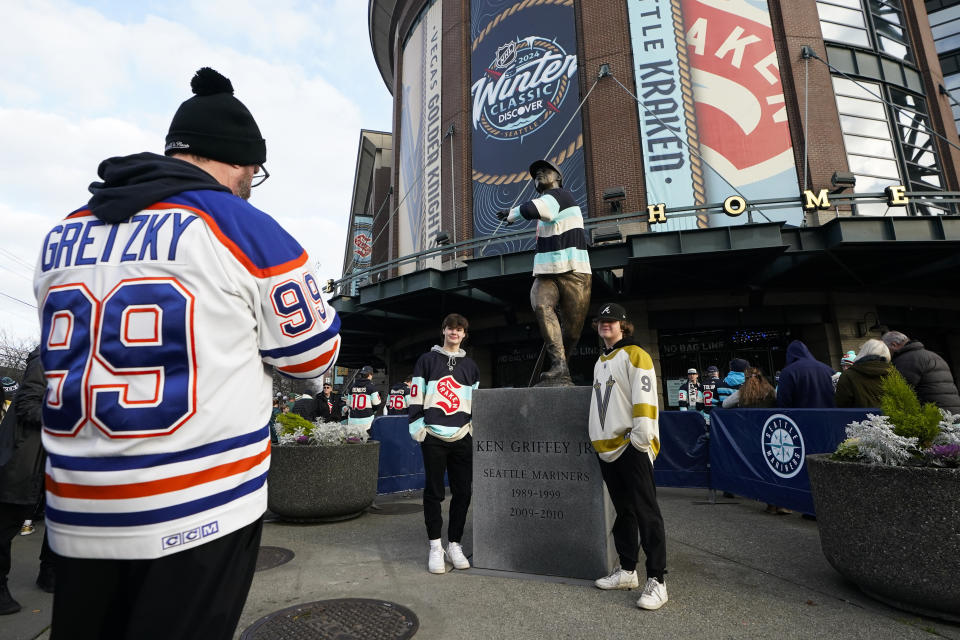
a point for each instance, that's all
(155, 333)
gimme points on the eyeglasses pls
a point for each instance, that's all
(260, 175)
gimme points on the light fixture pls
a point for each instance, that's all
(442, 238)
(614, 196)
(842, 180)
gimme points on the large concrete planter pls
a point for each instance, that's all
(322, 484)
(894, 531)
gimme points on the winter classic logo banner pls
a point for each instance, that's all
(707, 74)
(524, 90)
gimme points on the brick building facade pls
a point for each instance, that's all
(860, 96)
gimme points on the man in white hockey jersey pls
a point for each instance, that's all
(162, 301)
(625, 433)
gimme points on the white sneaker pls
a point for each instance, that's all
(619, 579)
(435, 563)
(654, 595)
(457, 559)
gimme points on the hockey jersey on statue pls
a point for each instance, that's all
(155, 330)
(364, 399)
(561, 241)
(441, 395)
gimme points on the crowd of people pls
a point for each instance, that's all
(807, 383)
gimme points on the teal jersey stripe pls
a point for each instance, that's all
(570, 254)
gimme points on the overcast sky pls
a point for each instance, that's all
(83, 81)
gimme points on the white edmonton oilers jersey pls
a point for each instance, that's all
(155, 335)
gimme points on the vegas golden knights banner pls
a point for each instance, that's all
(421, 139)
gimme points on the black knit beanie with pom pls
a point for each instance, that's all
(213, 124)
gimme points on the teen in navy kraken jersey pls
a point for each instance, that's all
(161, 303)
(441, 396)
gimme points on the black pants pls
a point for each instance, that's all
(456, 458)
(629, 480)
(196, 593)
(11, 519)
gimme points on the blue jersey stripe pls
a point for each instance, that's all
(306, 345)
(154, 516)
(254, 232)
(123, 463)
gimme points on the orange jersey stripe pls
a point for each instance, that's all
(154, 487)
(231, 246)
(313, 364)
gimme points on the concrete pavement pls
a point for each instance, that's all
(734, 572)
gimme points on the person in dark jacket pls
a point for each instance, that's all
(21, 479)
(805, 382)
(306, 407)
(329, 405)
(709, 387)
(924, 370)
(861, 385)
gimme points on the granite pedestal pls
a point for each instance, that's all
(539, 503)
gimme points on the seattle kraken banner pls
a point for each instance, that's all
(761, 453)
(525, 89)
(713, 112)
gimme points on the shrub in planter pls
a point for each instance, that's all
(887, 505)
(321, 472)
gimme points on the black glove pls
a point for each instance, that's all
(502, 215)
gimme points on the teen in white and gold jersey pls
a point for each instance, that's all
(625, 434)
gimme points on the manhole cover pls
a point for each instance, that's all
(396, 509)
(342, 619)
(270, 557)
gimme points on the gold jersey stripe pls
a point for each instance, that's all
(606, 446)
(638, 357)
(645, 411)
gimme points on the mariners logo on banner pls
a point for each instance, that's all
(782, 445)
(525, 90)
(720, 93)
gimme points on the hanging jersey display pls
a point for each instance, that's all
(363, 402)
(398, 400)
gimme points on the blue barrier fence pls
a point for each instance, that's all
(754, 453)
(759, 453)
(401, 465)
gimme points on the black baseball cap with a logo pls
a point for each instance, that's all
(611, 311)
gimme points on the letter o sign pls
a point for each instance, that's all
(734, 205)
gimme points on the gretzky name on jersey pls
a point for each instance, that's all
(147, 236)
